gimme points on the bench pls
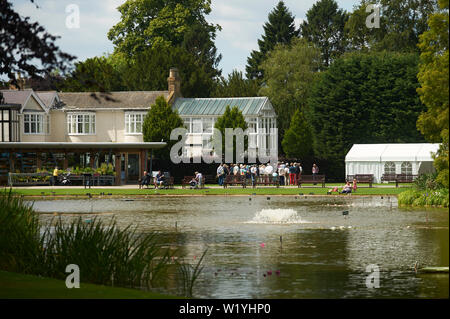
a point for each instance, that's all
(187, 179)
(388, 178)
(168, 182)
(303, 179)
(404, 178)
(209, 179)
(361, 178)
(266, 180)
(235, 180)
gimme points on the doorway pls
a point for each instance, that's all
(133, 167)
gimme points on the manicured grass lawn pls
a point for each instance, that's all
(206, 191)
(18, 286)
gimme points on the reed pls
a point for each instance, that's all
(105, 253)
(189, 275)
(19, 234)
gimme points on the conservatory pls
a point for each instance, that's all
(390, 159)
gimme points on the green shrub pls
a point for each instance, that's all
(415, 197)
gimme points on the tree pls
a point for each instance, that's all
(364, 98)
(231, 118)
(359, 36)
(158, 124)
(401, 23)
(434, 91)
(26, 47)
(97, 74)
(298, 139)
(289, 72)
(236, 86)
(148, 71)
(324, 26)
(279, 29)
(149, 23)
(199, 43)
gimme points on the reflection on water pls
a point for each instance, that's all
(289, 246)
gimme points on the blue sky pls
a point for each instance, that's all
(241, 21)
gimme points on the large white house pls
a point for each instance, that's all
(43, 129)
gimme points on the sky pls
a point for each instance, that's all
(241, 21)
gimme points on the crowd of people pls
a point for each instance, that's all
(286, 173)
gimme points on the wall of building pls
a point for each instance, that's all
(110, 127)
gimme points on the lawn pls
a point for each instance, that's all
(96, 192)
(18, 286)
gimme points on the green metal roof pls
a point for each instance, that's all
(217, 106)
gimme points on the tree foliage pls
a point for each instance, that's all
(158, 23)
(401, 23)
(231, 118)
(364, 98)
(26, 47)
(280, 28)
(236, 86)
(148, 71)
(298, 139)
(434, 91)
(289, 72)
(324, 26)
(168, 24)
(97, 74)
(158, 124)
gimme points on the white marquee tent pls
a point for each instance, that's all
(379, 159)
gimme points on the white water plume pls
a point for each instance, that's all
(277, 216)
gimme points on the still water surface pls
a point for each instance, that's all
(289, 246)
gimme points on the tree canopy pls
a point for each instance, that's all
(364, 98)
(231, 118)
(324, 26)
(289, 72)
(159, 123)
(401, 23)
(298, 139)
(434, 91)
(236, 86)
(280, 28)
(26, 47)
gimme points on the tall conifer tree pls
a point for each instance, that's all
(279, 29)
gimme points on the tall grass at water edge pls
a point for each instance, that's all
(104, 253)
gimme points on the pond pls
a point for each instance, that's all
(289, 246)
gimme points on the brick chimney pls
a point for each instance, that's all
(174, 82)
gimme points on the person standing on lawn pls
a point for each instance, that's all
(220, 174)
(315, 171)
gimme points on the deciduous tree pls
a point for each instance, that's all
(434, 91)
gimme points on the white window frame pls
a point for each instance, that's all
(405, 167)
(70, 123)
(127, 122)
(391, 166)
(43, 124)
